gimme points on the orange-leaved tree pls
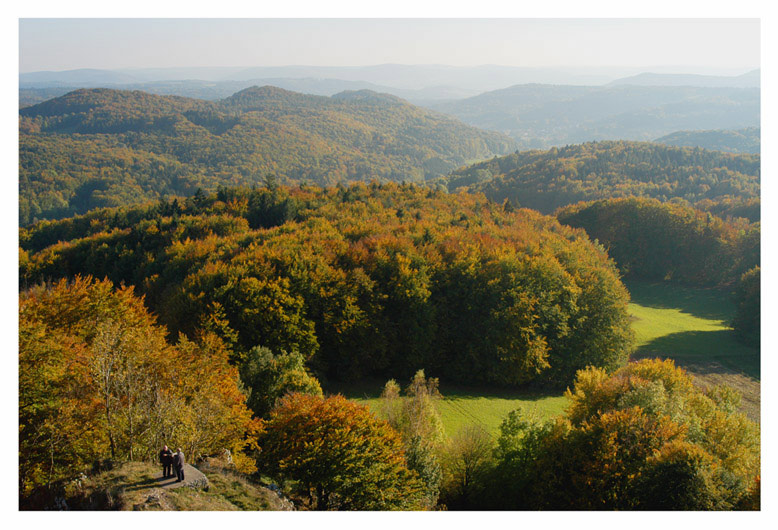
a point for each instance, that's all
(341, 456)
(647, 438)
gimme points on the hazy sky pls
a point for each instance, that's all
(63, 44)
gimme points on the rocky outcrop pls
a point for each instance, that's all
(193, 478)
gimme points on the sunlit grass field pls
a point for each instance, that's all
(689, 325)
(463, 406)
(686, 324)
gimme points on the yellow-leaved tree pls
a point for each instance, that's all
(98, 380)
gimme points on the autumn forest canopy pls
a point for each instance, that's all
(367, 279)
(547, 180)
(229, 263)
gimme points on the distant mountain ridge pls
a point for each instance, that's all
(79, 76)
(104, 147)
(215, 90)
(750, 79)
(425, 85)
(542, 116)
(399, 76)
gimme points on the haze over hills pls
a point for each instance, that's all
(541, 116)
(401, 76)
(82, 76)
(750, 79)
(213, 90)
(77, 77)
(536, 116)
(102, 147)
(419, 84)
(746, 140)
(480, 78)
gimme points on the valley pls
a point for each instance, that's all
(433, 274)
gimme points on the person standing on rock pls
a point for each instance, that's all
(166, 459)
(178, 462)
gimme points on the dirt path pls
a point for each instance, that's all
(713, 373)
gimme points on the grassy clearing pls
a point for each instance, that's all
(462, 406)
(686, 324)
(691, 326)
(488, 409)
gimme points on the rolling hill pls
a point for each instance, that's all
(214, 90)
(401, 76)
(547, 180)
(748, 80)
(746, 140)
(103, 147)
(541, 116)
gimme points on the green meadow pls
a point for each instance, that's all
(463, 406)
(689, 325)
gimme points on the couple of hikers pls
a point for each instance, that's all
(170, 460)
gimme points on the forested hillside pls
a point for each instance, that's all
(297, 286)
(542, 116)
(213, 90)
(547, 180)
(746, 140)
(99, 147)
(651, 240)
(365, 280)
(211, 320)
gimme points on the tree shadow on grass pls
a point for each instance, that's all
(705, 348)
(711, 303)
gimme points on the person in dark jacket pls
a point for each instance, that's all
(178, 462)
(166, 459)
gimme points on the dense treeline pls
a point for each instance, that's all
(369, 279)
(748, 311)
(547, 180)
(97, 147)
(652, 240)
(645, 438)
(730, 208)
(746, 140)
(642, 438)
(98, 380)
